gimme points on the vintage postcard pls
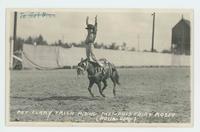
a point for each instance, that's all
(99, 67)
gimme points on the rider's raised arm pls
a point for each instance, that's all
(95, 21)
(95, 30)
(87, 20)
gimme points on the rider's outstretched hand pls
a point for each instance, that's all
(96, 18)
(87, 20)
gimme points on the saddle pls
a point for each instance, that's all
(102, 64)
(99, 66)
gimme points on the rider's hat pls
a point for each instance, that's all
(90, 26)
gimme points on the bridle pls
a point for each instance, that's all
(82, 66)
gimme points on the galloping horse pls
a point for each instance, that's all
(96, 75)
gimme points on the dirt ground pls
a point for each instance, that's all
(146, 95)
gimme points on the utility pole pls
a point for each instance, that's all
(153, 28)
(63, 39)
(138, 38)
(13, 40)
(15, 30)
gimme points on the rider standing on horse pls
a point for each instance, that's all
(89, 42)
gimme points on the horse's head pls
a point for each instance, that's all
(82, 66)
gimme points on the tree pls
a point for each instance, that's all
(29, 40)
(96, 45)
(145, 50)
(60, 42)
(154, 50)
(132, 49)
(113, 46)
(66, 45)
(106, 46)
(124, 46)
(40, 40)
(102, 45)
(82, 44)
(166, 51)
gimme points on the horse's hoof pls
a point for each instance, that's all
(103, 96)
(92, 96)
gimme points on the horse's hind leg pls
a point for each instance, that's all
(105, 85)
(114, 85)
(100, 90)
(89, 88)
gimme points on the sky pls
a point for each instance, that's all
(134, 27)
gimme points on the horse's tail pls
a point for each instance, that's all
(117, 78)
(116, 75)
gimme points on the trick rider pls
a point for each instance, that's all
(89, 42)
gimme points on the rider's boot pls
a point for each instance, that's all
(103, 71)
(101, 67)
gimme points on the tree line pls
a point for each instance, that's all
(39, 40)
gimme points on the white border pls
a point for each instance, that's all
(8, 11)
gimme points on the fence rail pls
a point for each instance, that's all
(48, 57)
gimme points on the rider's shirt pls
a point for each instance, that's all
(89, 43)
(90, 38)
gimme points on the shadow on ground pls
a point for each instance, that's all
(60, 98)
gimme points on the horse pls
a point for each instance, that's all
(96, 74)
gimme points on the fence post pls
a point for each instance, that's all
(11, 53)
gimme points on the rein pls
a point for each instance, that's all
(79, 67)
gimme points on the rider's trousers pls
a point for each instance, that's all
(89, 52)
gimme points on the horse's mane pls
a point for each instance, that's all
(82, 61)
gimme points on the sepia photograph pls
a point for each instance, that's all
(108, 67)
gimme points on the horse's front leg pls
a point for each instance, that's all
(100, 90)
(105, 85)
(90, 87)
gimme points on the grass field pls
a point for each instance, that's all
(58, 95)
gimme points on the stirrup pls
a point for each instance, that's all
(101, 65)
(103, 71)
